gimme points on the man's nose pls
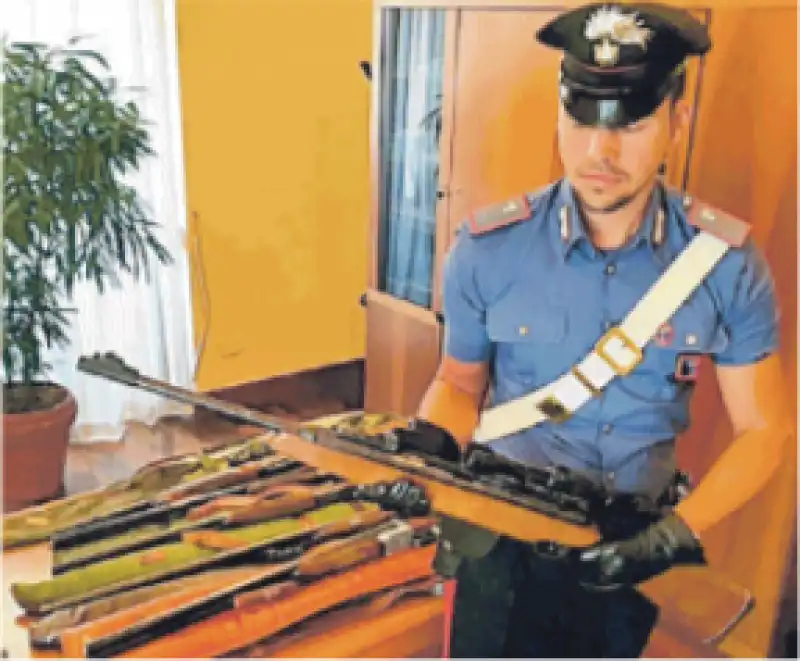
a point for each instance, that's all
(603, 143)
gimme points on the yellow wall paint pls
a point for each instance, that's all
(276, 117)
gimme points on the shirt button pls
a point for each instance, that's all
(610, 269)
(607, 428)
(611, 476)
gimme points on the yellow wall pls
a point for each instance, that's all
(275, 118)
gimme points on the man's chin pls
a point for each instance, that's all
(597, 201)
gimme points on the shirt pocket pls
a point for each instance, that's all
(528, 342)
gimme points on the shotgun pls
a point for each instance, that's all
(40, 523)
(65, 629)
(555, 492)
(221, 512)
(165, 561)
(344, 629)
(163, 508)
(170, 561)
(367, 562)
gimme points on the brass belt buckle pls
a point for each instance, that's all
(633, 352)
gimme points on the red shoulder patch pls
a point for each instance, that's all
(499, 215)
(724, 226)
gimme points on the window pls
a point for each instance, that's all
(410, 125)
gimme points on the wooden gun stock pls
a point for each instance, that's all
(270, 502)
(372, 627)
(284, 501)
(238, 628)
(226, 478)
(106, 620)
(335, 556)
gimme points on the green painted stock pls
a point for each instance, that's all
(105, 577)
(134, 536)
(37, 524)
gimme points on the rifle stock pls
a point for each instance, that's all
(129, 618)
(125, 631)
(259, 619)
(167, 523)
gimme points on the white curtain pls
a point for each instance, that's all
(148, 324)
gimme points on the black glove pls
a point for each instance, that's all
(627, 562)
(429, 439)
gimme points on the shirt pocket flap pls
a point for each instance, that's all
(526, 326)
(693, 333)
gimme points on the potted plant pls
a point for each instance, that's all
(68, 215)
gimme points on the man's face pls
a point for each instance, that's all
(608, 167)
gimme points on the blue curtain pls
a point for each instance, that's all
(411, 122)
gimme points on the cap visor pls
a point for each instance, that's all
(610, 112)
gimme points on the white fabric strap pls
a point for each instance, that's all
(617, 353)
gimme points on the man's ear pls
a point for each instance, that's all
(681, 120)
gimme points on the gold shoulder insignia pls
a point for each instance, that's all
(723, 225)
(499, 215)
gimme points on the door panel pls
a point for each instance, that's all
(744, 160)
(402, 354)
(505, 115)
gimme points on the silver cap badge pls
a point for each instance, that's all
(613, 29)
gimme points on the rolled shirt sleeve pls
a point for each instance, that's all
(751, 318)
(465, 335)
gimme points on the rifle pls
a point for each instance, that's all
(388, 555)
(259, 543)
(287, 493)
(218, 513)
(553, 491)
(371, 621)
(548, 506)
(168, 504)
(118, 613)
(130, 495)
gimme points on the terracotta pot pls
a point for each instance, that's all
(35, 452)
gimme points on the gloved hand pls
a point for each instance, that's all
(660, 546)
(429, 439)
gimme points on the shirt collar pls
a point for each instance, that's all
(572, 231)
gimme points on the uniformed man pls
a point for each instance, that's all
(529, 287)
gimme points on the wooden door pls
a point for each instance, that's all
(412, 56)
(744, 160)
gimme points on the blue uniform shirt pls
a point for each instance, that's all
(535, 301)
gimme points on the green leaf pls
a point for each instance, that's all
(14, 230)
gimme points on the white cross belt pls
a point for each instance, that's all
(617, 353)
